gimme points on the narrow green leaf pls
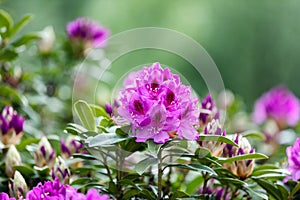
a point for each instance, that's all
(84, 156)
(130, 193)
(233, 181)
(253, 134)
(256, 195)
(85, 115)
(113, 188)
(295, 189)
(5, 21)
(255, 156)
(178, 194)
(106, 139)
(143, 165)
(25, 170)
(193, 185)
(25, 39)
(194, 167)
(8, 55)
(217, 138)
(283, 190)
(271, 189)
(20, 24)
(98, 111)
(42, 171)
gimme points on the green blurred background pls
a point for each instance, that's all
(255, 44)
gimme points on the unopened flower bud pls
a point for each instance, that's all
(241, 168)
(45, 154)
(18, 187)
(70, 146)
(108, 109)
(47, 40)
(213, 128)
(61, 171)
(12, 158)
(208, 111)
(11, 126)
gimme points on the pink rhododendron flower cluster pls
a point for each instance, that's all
(158, 105)
(293, 154)
(279, 104)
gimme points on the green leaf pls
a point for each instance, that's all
(194, 167)
(8, 55)
(271, 189)
(178, 194)
(5, 21)
(202, 152)
(82, 181)
(75, 129)
(193, 185)
(233, 181)
(143, 165)
(42, 171)
(113, 188)
(256, 156)
(85, 115)
(217, 138)
(254, 194)
(25, 170)
(20, 24)
(106, 139)
(98, 111)
(84, 156)
(130, 193)
(153, 148)
(253, 134)
(283, 190)
(25, 39)
(295, 189)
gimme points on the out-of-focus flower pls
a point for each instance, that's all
(85, 34)
(70, 146)
(158, 106)
(225, 99)
(18, 187)
(47, 39)
(12, 158)
(279, 104)
(217, 192)
(294, 160)
(55, 190)
(208, 110)
(61, 171)
(213, 128)
(4, 196)
(11, 126)
(108, 109)
(45, 154)
(242, 168)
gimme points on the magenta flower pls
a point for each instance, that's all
(87, 32)
(11, 126)
(157, 105)
(293, 154)
(209, 110)
(54, 190)
(279, 104)
(4, 196)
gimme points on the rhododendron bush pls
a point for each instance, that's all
(155, 139)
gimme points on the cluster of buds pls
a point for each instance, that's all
(218, 193)
(45, 154)
(12, 159)
(242, 168)
(70, 146)
(18, 187)
(208, 111)
(61, 171)
(213, 128)
(11, 126)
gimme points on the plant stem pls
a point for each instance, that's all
(159, 184)
(205, 180)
